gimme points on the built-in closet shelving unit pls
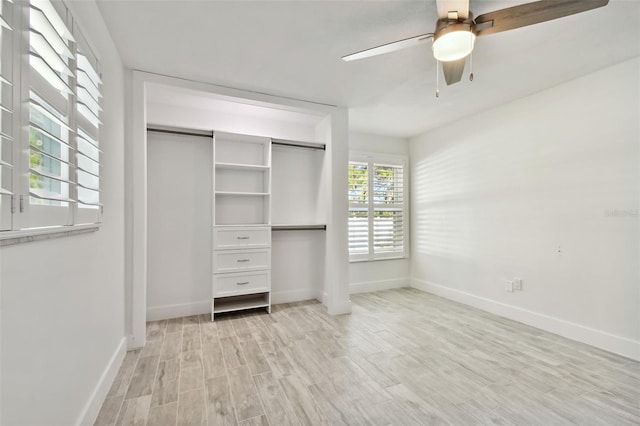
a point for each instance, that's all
(241, 219)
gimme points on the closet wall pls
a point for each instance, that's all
(298, 198)
(298, 255)
(179, 245)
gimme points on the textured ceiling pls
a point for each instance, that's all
(293, 49)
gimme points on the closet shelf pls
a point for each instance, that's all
(319, 227)
(249, 194)
(238, 166)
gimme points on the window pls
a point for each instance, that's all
(51, 170)
(378, 219)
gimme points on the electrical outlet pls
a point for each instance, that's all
(508, 286)
(517, 284)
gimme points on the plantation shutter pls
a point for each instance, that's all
(358, 209)
(51, 168)
(377, 208)
(388, 208)
(6, 114)
(50, 108)
(87, 139)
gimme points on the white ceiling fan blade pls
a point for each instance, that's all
(389, 47)
(447, 6)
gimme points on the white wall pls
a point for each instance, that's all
(296, 178)
(63, 321)
(297, 265)
(179, 176)
(235, 122)
(527, 190)
(298, 257)
(382, 274)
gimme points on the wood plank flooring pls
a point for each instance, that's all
(403, 357)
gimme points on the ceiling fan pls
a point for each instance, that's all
(456, 29)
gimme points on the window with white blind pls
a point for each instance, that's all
(378, 207)
(51, 169)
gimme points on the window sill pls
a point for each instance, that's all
(378, 260)
(9, 238)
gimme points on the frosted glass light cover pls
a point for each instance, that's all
(453, 45)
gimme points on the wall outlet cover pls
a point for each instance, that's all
(508, 286)
(517, 284)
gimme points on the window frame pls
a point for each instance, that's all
(27, 217)
(372, 159)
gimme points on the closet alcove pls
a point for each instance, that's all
(287, 187)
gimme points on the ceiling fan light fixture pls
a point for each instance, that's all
(453, 41)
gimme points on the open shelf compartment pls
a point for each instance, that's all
(239, 150)
(239, 303)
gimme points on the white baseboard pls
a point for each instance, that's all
(293, 295)
(368, 286)
(308, 294)
(610, 342)
(92, 407)
(155, 313)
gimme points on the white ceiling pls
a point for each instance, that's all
(293, 49)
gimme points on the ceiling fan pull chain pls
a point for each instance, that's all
(437, 79)
(471, 66)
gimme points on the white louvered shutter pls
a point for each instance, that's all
(88, 124)
(378, 208)
(6, 114)
(51, 167)
(358, 209)
(388, 209)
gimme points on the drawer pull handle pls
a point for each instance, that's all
(244, 283)
(243, 238)
(242, 260)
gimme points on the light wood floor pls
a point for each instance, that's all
(403, 357)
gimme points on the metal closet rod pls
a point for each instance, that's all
(298, 227)
(210, 133)
(180, 131)
(309, 145)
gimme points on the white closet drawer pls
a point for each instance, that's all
(241, 260)
(225, 238)
(241, 283)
